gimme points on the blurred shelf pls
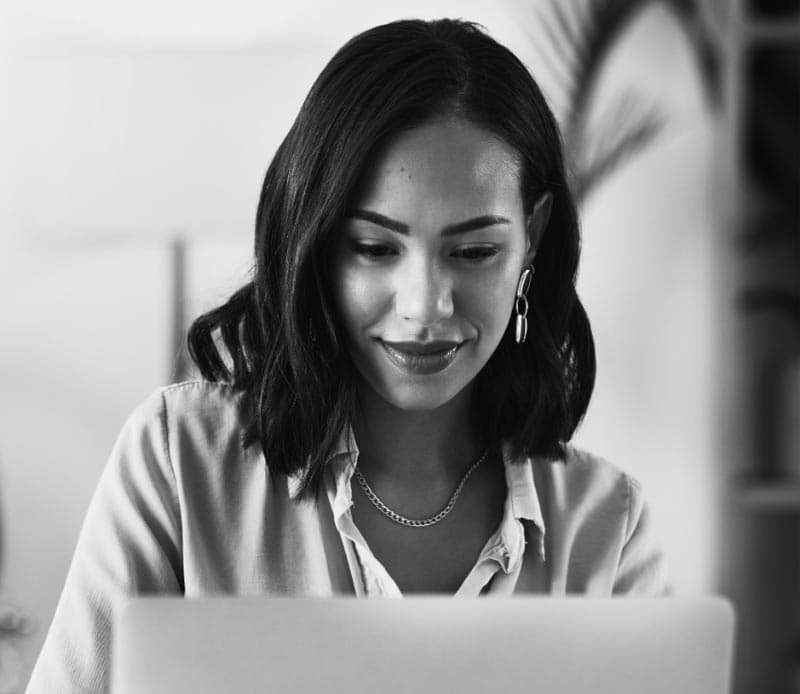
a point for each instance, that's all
(771, 30)
(771, 496)
(775, 10)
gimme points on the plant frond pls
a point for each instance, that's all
(706, 47)
(581, 38)
(627, 126)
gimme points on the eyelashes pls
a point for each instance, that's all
(477, 252)
(373, 250)
(474, 253)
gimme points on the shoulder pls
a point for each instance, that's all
(192, 418)
(601, 538)
(192, 404)
(196, 432)
(594, 469)
(580, 479)
(200, 402)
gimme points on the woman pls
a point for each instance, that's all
(386, 406)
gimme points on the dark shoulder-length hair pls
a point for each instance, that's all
(278, 339)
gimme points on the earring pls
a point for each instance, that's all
(521, 303)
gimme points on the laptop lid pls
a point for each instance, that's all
(419, 644)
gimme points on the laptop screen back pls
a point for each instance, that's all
(436, 644)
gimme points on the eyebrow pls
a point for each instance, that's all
(451, 229)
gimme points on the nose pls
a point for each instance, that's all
(423, 294)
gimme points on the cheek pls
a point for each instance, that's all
(359, 297)
(490, 300)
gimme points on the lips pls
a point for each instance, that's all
(421, 358)
(422, 348)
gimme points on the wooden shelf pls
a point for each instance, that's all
(771, 496)
(776, 28)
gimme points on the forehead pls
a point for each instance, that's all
(442, 162)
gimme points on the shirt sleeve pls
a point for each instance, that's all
(129, 544)
(642, 568)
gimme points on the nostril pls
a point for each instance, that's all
(425, 302)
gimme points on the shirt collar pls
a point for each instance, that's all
(522, 488)
(522, 500)
(522, 503)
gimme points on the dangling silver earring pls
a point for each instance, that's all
(521, 303)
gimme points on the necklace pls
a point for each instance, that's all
(410, 522)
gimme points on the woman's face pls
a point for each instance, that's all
(427, 263)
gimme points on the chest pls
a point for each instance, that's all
(434, 559)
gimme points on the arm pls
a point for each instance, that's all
(641, 570)
(130, 544)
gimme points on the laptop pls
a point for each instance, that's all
(424, 644)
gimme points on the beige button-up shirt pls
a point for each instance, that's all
(183, 508)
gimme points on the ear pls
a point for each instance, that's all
(537, 223)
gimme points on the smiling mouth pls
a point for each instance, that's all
(422, 358)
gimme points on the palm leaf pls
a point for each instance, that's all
(627, 126)
(706, 52)
(580, 35)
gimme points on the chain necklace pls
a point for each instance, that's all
(410, 522)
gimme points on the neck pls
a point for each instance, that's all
(423, 447)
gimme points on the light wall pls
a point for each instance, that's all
(650, 284)
(84, 265)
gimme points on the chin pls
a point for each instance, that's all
(416, 404)
(417, 398)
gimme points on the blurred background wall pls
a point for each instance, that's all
(134, 139)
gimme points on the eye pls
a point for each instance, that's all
(373, 251)
(476, 254)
